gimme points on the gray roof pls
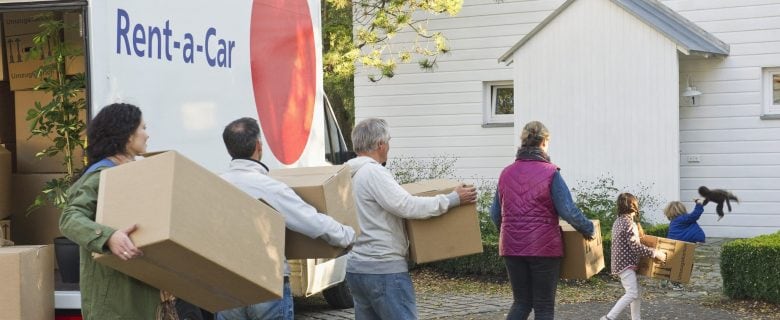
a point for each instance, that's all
(687, 35)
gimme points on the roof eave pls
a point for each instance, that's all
(506, 56)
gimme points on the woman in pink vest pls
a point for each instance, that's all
(531, 196)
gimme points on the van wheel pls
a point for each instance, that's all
(339, 296)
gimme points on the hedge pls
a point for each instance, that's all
(751, 268)
(490, 263)
(486, 263)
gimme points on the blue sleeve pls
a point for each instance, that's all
(566, 208)
(495, 211)
(690, 218)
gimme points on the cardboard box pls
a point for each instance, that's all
(5, 183)
(453, 234)
(16, 23)
(40, 226)
(74, 38)
(5, 229)
(74, 65)
(27, 147)
(21, 67)
(581, 258)
(203, 239)
(2, 64)
(27, 278)
(327, 189)
(679, 259)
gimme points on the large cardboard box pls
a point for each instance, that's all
(74, 39)
(16, 23)
(582, 258)
(453, 234)
(679, 259)
(327, 189)
(5, 183)
(27, 146)
(40, 226)
(21, 66)
(27, 283)
(2, 65)
(203, 239)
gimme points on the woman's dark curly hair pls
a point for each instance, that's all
(109, 131)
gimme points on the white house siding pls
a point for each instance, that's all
(437, 113)
(605, 85)
(737, 149)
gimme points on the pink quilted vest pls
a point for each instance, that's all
(529, 222)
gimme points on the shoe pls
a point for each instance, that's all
(677, 287)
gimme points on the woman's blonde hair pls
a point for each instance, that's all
(534, 133)
(674, 209)
(627, 203)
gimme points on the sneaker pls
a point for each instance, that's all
(677, 286)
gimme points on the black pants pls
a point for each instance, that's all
(534, 281)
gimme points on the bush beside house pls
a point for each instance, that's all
(750, 268)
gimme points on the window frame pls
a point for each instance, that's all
(489, 116)
(771, 110)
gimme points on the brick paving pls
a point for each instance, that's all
(705, 283)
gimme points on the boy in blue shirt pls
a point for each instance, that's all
(683, 226)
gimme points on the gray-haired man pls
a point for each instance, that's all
(377, 271)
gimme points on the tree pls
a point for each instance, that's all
(59, 118)
(362, 32)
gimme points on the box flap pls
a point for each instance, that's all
(19, 249)
(436, 186)
(303, 177)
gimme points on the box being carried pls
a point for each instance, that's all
(203, 239)
(582, 258)
(26, 283)
(679, 259)
(453, 234)
(327, 189)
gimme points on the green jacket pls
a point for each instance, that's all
(106, 294)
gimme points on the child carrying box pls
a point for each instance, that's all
(626, 252)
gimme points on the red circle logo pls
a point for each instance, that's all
(283, 62)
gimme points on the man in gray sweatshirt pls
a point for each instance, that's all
(242, 139)
(377, 270)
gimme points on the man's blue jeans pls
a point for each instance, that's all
(382, 296)
(281, 309)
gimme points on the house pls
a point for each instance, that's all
(611, 79)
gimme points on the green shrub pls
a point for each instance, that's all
(486, 263)
(751, 268)
(410, 170)
(597, 200)
(487, 191)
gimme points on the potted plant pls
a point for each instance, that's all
(60, 121)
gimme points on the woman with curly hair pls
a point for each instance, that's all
(116, 135)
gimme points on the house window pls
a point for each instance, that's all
(499, 104)
(771, 90)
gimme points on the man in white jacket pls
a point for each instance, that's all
(242, 139)
(377, 271)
